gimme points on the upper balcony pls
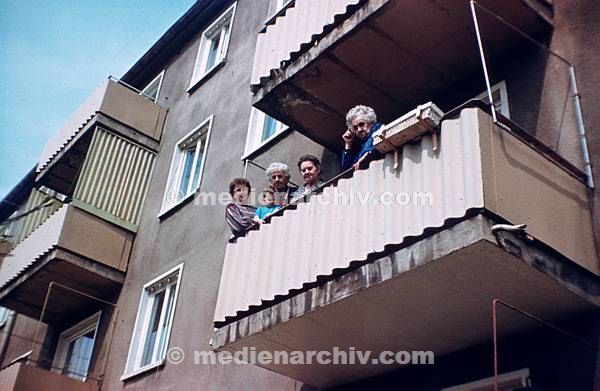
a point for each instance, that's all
(403, 258)
(112, 106)
(324, 56)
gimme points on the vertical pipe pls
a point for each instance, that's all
(494, 320)
(587, 165)
(482, 55)
(245, 168)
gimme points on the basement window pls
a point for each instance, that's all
(213, 46)
(188, 163)
(153, 323)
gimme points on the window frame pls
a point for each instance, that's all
(177, 165)
(159, 77)
(254, 140)
(504, 105)
(138, 343)
(69, 335)
(200, 70)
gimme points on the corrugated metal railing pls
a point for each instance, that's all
(115, 176)
(299, 25)
(329, 233)
(35, 218)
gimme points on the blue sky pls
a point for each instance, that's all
(53, 54)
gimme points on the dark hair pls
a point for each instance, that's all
(237, 182)
(269, 189)
(309, 158)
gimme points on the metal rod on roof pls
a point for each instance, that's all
(521, 32)
(587, 164)
(483, 63)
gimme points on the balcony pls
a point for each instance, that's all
(23, 377)
(73, 248)
(411, 273)
(323, 57)
(113, 106)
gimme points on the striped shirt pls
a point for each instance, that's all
(239, 218)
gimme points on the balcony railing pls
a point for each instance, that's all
(23, 377)
(300, 24)
(116, 101)
(60, 250)
(388, 259)
(477, 167)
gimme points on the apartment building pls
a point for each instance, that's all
(118, 273)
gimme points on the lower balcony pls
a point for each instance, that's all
(72, 248)
(416, 260)
(24, 377)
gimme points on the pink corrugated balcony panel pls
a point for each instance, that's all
(319, 237)
(298, 26)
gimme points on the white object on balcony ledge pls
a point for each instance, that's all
(411, 125)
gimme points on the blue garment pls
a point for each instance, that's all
(264, 211)
(351, 156)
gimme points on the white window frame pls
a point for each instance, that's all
(69, 335)
(256, 127)
(172, 196)
(279, 5)
(501, 87)
(216, 28)
(5, 313)
(142, 321)
(158, 79)
(515, 379)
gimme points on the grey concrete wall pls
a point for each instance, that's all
(195, 235)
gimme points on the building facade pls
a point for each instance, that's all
(117, 272)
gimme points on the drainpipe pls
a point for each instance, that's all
(587, 164)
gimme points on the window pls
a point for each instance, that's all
(278, 5)
(261, 129)
(187, 165)
(5, 313)
(500, 97)
(75, 347)
(213, 45)
(153, 323)
(152, 90)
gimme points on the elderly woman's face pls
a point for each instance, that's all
(279, 180)
(361, 127)
(310, 172)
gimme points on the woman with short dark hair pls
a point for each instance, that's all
(238, 214)
(310, 169)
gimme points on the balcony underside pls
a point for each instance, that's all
(435, 295)
(391, 55)
(27, 293)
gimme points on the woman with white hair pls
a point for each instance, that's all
(279, 177)
(358, 138)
